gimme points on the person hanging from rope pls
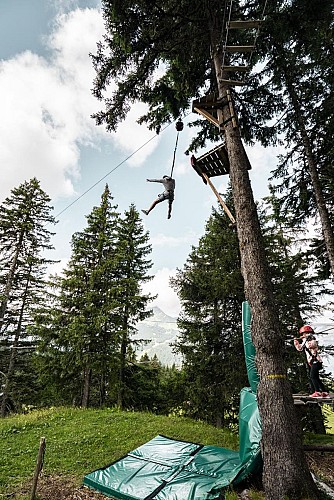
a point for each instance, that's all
(310, 346)
(168, 194)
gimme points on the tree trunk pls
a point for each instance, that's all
(124, 345)
(317, 189)
(8, 287)
(285, 473)
(86, 388)
(17, 337)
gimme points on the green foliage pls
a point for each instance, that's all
(23, 239)
(210, 288)
(131, 273)
(295, 85)
(297, 291)
(79, 341)
(86, 330)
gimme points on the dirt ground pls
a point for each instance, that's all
(66, 487)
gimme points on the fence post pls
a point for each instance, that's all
(39, 466)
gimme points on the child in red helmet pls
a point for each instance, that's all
(309, 344)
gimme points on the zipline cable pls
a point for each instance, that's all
(113, 170)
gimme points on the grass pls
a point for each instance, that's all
(79, 441)
(327, 438)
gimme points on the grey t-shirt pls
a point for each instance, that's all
(168, 182)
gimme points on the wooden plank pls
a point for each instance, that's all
(207, 115)
(235, 68)
(239, 48)
(219, 198)
(232, 82)
(243, 24)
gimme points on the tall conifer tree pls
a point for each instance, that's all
(24, 237)
(210, 288)
(79, 340)
(132, 267)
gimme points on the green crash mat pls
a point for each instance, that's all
(168, 469)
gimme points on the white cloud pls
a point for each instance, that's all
(167, 300)
(171, 241)
(46, 107)
(130, 136)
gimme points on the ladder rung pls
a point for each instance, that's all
(235, 68)
(232, 82)
(243, 24)
(239, 48)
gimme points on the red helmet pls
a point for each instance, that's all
(306, 329)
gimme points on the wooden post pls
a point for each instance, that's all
(39, 466)
(232, 219)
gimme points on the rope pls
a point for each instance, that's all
(227, 28)
(173, 164)
(255, 36)
(257, 32)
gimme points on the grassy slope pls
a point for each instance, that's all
(79, 441)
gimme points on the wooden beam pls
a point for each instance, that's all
(207, 115)
(232, 82)
(225, 207)
(239, 48)
(228, 213)
(235, 68)
(243, 24)
(319, 447)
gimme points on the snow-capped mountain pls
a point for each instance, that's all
(160, 330)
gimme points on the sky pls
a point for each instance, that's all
(47, 132)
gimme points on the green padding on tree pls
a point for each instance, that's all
(249, 348)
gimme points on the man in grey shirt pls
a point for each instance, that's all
(168, 194)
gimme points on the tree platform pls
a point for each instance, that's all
(303, 399)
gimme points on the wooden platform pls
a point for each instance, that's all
(305, 399)
(214, 162)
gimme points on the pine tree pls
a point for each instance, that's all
(132, 267)
(23, 239)
(79, 341)
(86, 333)
(210, 288)
(295, 87)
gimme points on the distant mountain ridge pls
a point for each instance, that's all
(161, 330)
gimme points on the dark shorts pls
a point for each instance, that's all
(166, 195)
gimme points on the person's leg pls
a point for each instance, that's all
(152, 206)
(170, 202)
(314, 377)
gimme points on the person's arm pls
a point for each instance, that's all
(155, 180)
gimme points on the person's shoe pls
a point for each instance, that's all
(145, 212)
(169, 216)
(316, 395)
(325, 395)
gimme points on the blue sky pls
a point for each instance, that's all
(46, 131)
